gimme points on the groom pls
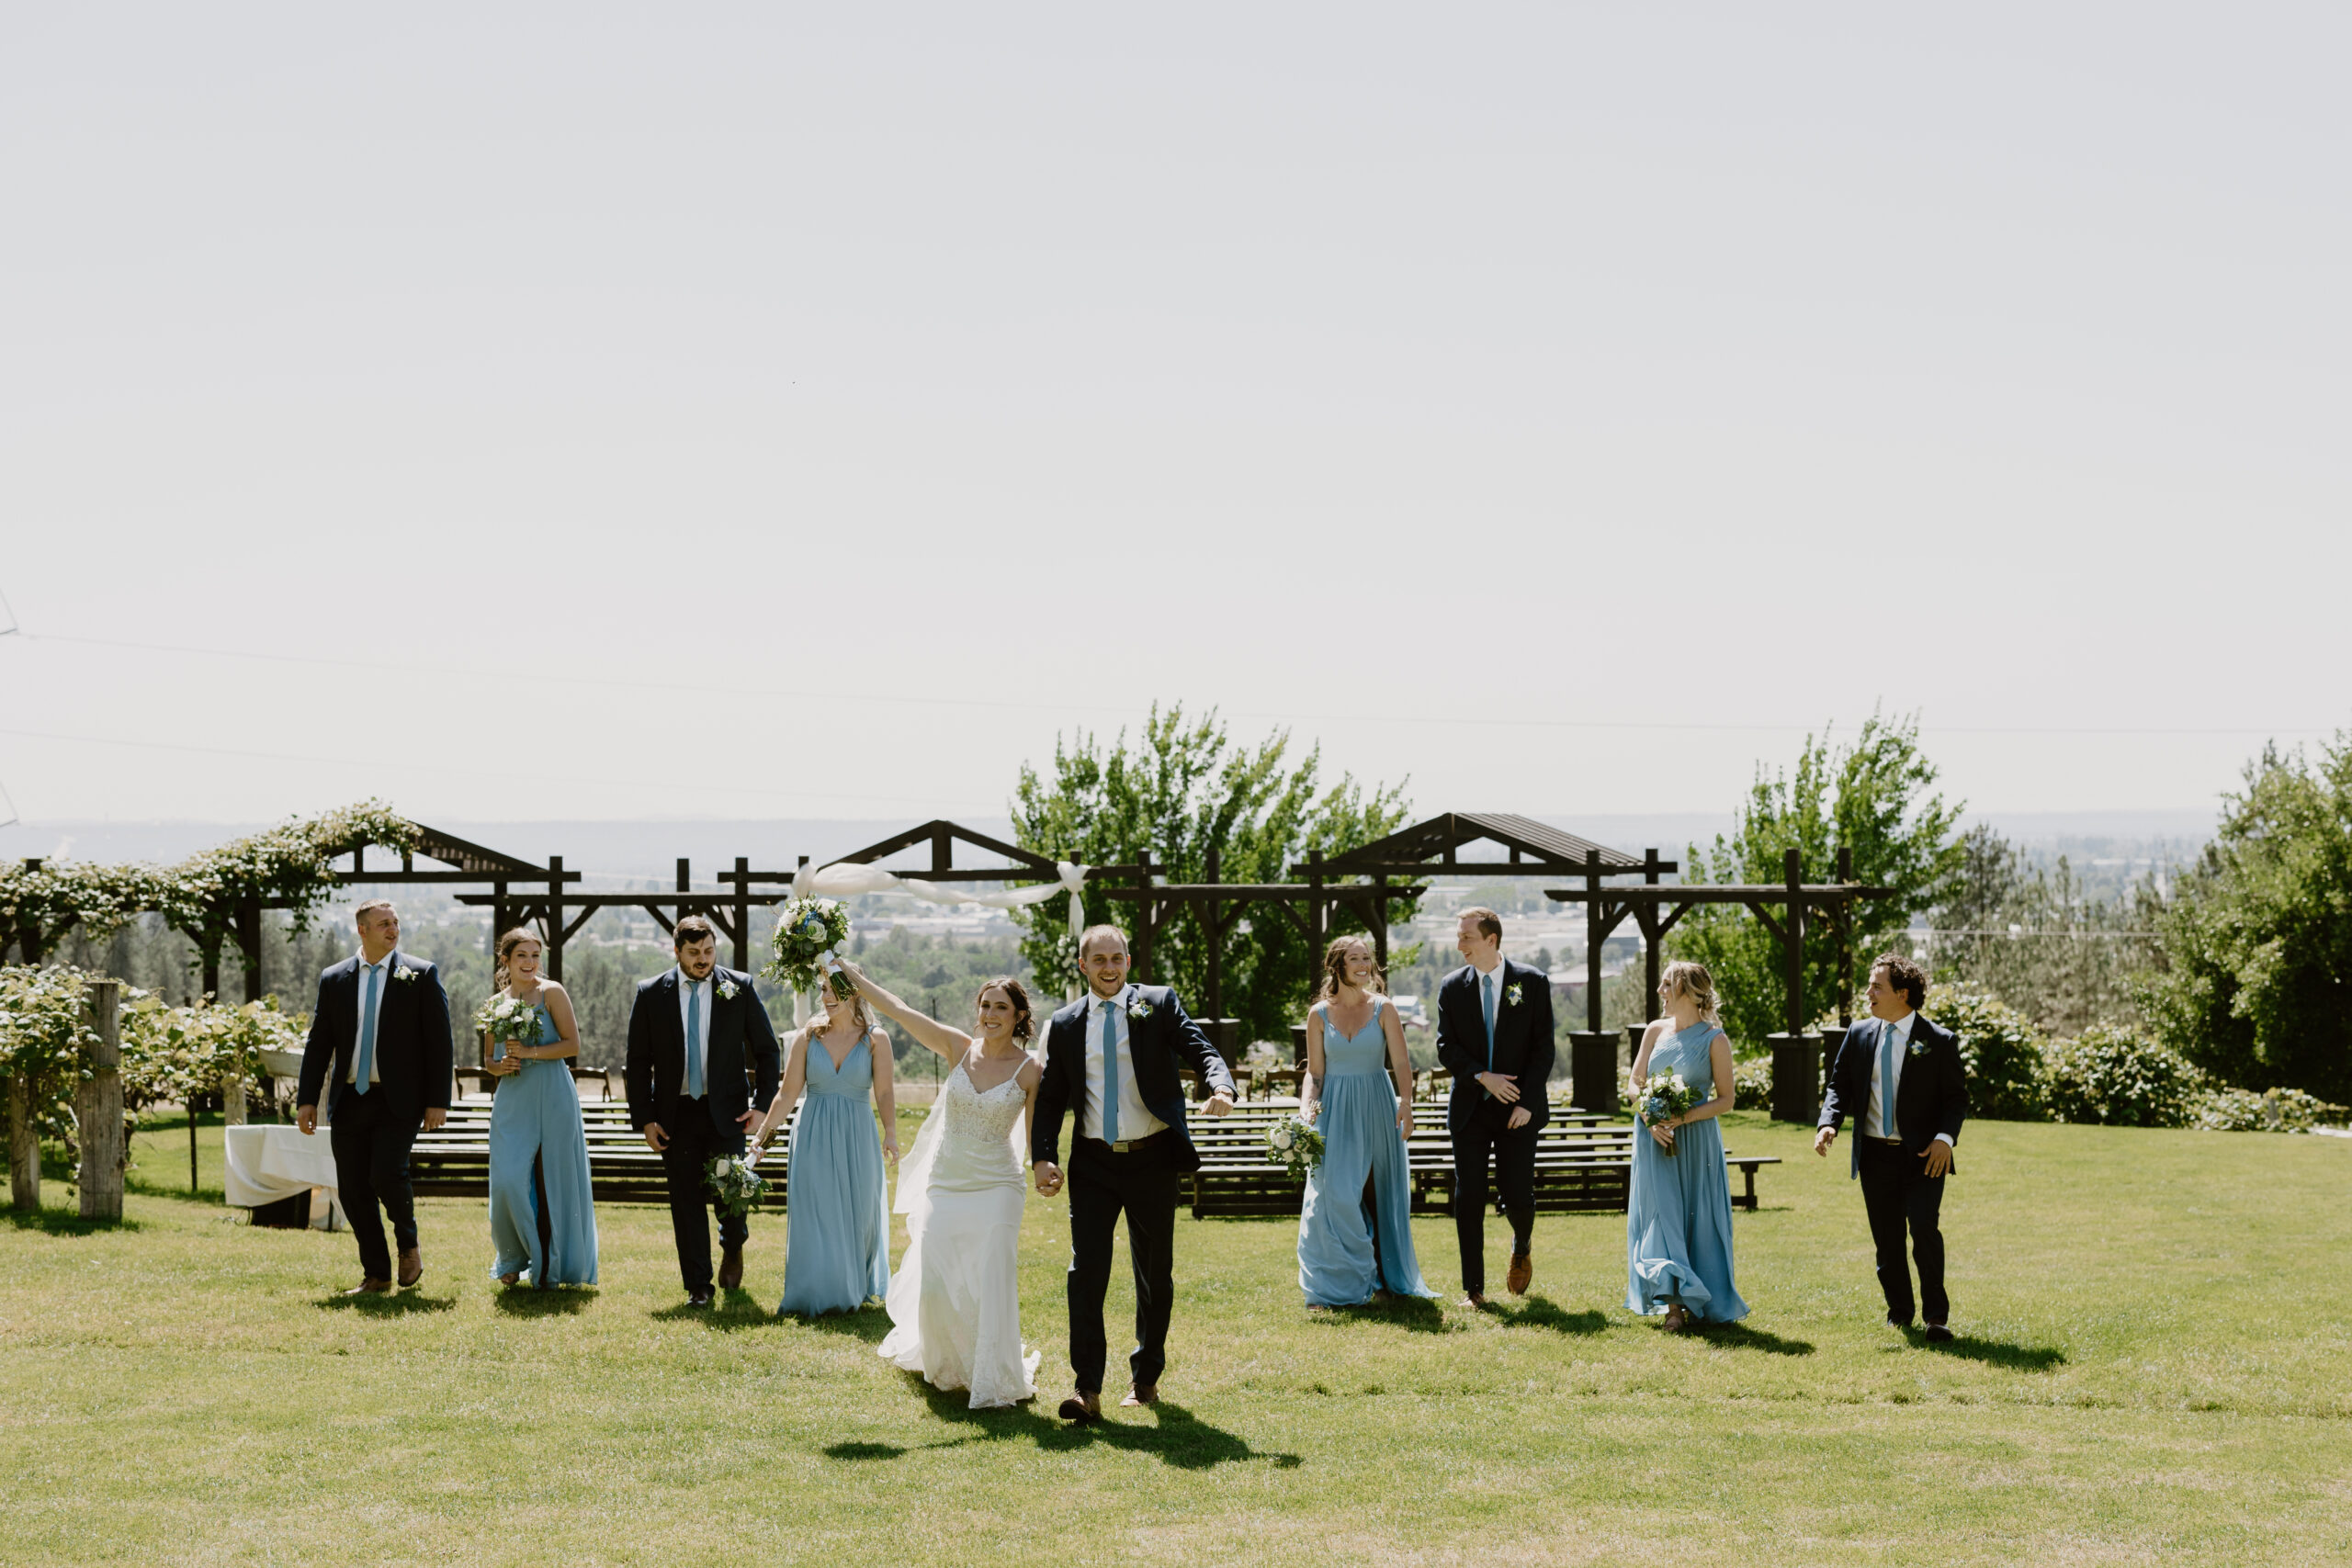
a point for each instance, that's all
(691, 1032)
(382, 1026)
(1494, 1034)
(1113, 1056)
(1903, 1081)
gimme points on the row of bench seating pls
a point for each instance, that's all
(1583, 1162)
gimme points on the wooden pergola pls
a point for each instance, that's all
(1656, 910)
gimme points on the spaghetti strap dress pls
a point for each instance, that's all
(1355, 1234)
(535, 1114)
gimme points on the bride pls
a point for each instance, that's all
(955, 1298)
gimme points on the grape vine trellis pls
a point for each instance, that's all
(216, 897)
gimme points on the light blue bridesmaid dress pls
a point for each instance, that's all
(536, 1112)
(1351, 1242)
(837, 1235)
(1678, 1221)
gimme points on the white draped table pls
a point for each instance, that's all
(268, 1164)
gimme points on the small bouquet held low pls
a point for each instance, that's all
(1293, 1142)
(808, 931)
(1664, 1098)
(735, 1184)
(507, 1023)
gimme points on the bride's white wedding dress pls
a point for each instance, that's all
(955, 1298)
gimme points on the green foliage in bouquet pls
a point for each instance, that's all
(1294, 1143)
(806, 930)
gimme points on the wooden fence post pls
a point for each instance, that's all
(97, 1105)
(24, 1145)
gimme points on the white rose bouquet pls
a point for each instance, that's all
(808, 931)
(507, 1023)
(738, 1186)
(1293, 1142)
(1663, 1097)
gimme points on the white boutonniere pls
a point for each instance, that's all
(727, 989)
(1140, 1007)
(1918, 1046)
(1510, 994)
(405, 976)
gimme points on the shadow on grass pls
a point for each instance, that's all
(869, 1324)
(1739, 1336)
(1174, 1436)
(65, 1222)
(1541, 1312)
(730, 1312)
(399, 1303)
(562, 1300)
(204, 1197)
(1994, 1352)
(1413, 1313)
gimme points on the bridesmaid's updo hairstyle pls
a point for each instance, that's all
(506, 946)
(1025, 1026)
(1693, 981)
(1335, 967)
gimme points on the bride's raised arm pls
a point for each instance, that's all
(928, 1032)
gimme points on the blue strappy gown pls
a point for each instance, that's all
(1349, 1244)
(1678, 1219)
(837, 1235)
(536, 1112)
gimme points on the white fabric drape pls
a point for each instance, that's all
(845, 879)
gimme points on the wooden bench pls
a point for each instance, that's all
(1583, 1165)
(453, 1160)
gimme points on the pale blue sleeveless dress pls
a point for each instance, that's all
(837, 1235)
(536, 1112)
(1678, 1219)
(1352, 1244)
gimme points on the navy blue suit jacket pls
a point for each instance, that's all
(1930, 1096)
(1523, 1048)
(1159, 1045)
(412, 1051)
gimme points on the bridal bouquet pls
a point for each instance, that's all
(1664, 1097)
(735, 1184)
(507, 1023)
(1295, 1144)
(807, 933)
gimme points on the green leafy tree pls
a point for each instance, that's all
(1186, 789)
(2258, 935)
(2039, 941)
(1877, 798)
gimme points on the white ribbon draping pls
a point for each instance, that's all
(845, 879)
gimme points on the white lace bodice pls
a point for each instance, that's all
(976, 1138)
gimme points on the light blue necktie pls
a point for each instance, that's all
(1885, 1080)
(1486, 987)
(366, 1069)
(693, 1040)
(1109, 1074)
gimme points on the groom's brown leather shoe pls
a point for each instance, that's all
(1083, 1407)
(1476, 1301)
(730, 1269)
(411, 1267)
(1522, 1275)
(370, 1288)
(1140, 1394)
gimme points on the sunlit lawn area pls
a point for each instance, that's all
(2152, 1367)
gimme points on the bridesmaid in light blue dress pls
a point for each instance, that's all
(1355, 1238)
(1678, 1219)
(837, 1209)
(536, 1117)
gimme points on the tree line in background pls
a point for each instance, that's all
(2228, 982)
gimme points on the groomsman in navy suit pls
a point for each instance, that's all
(1494, 1034)
(382, 1026)
(1902, 1078)
(696, 1035)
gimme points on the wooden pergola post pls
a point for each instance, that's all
(1143, 918)
(1213, 927)
(97, 1105)
(742, 914)
(551, 933)
(1651, 937)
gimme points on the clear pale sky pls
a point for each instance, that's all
(755, 411)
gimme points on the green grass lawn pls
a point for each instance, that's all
(2152, 1367)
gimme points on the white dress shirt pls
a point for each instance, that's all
(698, 1044)
(1902, 1054)
(1134, 1120)
(383, 971)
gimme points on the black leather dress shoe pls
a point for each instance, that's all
(1938, 1335)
